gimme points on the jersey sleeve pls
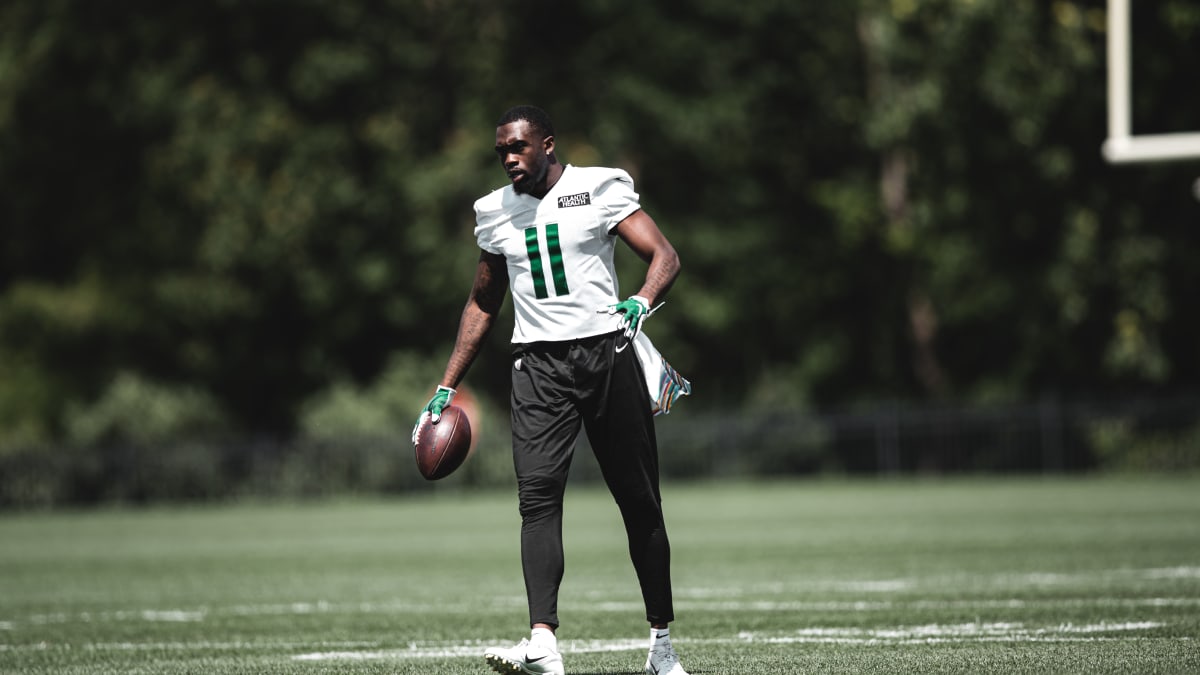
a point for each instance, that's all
(616, 199)
(488, 214)
(483, 237)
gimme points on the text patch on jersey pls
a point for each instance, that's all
(581, 199)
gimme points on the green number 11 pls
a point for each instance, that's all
(556, 261)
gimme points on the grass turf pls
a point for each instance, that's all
(1064, 575)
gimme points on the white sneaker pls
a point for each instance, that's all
(664, 661)
(525, 658)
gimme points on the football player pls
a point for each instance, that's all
(548, 238)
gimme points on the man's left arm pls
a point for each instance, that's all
(641, 233)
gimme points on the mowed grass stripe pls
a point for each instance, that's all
(923, 634)
(974, 575)
(302, 609)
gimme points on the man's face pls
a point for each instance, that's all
(525, 156)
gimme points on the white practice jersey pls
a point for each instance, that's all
(559, 251)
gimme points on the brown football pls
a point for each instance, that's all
(443, 447)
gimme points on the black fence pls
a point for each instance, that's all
(1050, 436)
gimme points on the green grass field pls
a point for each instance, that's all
(929, 576)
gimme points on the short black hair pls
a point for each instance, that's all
(535, 116)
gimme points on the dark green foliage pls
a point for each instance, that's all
(259, 203)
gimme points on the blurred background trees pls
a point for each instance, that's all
(253, 219)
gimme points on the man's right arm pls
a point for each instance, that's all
(487, 295)
(483, 304)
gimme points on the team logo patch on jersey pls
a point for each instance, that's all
(581, 199)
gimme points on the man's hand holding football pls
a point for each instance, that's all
(433, 410)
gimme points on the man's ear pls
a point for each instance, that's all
(548, 144)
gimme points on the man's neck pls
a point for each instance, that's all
(552, 175)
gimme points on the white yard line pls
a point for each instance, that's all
(934, 581)
(991, 632)
(301, 608)
(924, 634)
(176, 646)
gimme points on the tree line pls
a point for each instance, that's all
(254, 218)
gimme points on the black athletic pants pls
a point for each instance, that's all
(557, 386)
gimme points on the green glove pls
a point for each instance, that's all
(635, 311)
(433, 410)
